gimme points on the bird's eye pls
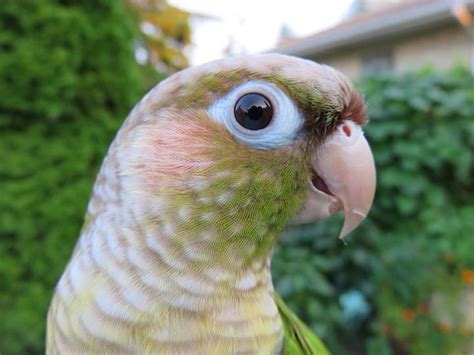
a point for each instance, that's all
(258, 114)
(253, 111)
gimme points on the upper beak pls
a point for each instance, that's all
(344, 178)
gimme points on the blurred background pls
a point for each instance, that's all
(71, 70)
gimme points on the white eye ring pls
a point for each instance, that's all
(282, 129)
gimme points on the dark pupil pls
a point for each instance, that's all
(253, 111)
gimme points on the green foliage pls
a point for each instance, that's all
(171, 33)
(67, 80)
(68, 77)
(380, 293)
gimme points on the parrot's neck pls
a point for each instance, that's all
(183, 266)
(175, 297)
(229, 301)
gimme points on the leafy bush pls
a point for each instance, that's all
(68, 77)
(380, 293)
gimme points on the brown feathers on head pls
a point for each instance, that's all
(356, 109)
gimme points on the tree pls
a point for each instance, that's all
(166, 32)
(68, 77)
(389, 288)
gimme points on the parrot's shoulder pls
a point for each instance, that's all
(299, 339)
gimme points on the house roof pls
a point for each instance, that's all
(395, 21)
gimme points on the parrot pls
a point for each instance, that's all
(204, 175)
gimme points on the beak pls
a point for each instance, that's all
(343, 178)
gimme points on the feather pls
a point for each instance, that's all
(299, 339)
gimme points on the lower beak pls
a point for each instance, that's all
(344, 178)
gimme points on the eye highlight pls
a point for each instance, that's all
(253, 111)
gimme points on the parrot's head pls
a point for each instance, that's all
(222, 157)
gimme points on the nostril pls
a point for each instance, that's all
(347, 130)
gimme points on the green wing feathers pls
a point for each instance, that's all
(299, 339)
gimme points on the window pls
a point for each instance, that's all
(377, 63)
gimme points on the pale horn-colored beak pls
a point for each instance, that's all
(344, 179)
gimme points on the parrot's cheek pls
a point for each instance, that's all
(343, 178)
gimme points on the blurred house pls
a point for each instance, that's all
(381, 36)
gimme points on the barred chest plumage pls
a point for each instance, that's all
(169, 272)
(142, 301)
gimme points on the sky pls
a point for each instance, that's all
(253, 26)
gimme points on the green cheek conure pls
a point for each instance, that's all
(203, 176)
